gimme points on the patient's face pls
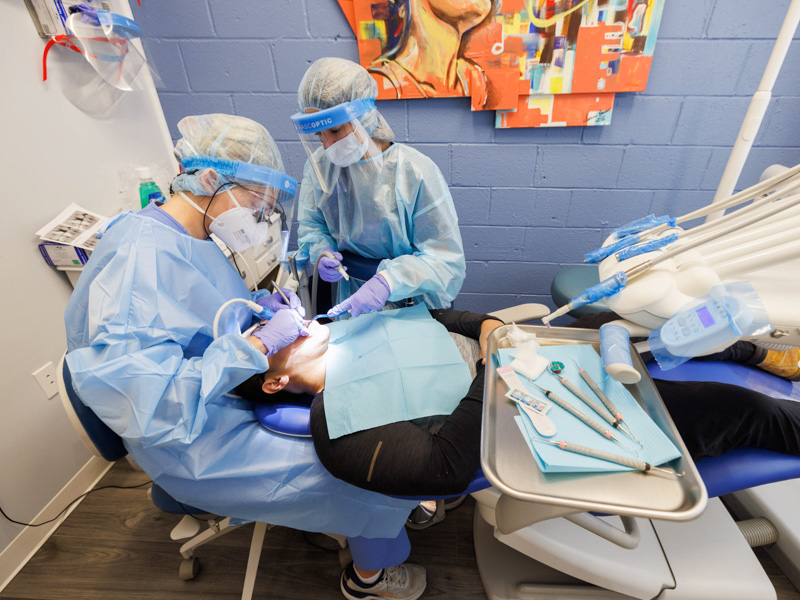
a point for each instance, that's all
(305, 348)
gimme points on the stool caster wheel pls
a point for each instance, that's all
(189, 568)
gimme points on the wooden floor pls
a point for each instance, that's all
(116, 545)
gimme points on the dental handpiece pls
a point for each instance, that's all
(605, 412)
(605, 432)
(340, 268)
(634, 463)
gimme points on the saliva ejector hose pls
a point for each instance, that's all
(261, 312)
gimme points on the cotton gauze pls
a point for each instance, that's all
(527, 360)
(517, 337)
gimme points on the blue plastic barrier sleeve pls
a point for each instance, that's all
(604, 289)
(642, 224)
(615, 345)
(646, 247)
(595, 256)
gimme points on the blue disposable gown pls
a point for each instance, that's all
(141, 354)
(403, 214)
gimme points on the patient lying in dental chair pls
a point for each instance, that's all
(439, 455)
(436, 455)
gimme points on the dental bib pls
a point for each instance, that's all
(390, 366)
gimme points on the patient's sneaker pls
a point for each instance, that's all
(782, 363)
(403, 582)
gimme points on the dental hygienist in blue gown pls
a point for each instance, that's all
(365, 194)
(142, 355)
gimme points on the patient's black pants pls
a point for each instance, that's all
(436, 456)
(440, 458)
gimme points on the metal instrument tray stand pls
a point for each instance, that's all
(508, 463)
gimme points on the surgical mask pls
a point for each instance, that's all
(347, 150)
(236, 227)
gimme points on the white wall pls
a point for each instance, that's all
(51, 154)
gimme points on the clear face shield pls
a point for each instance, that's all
(111, 60)
(334, 139)
(265, 199)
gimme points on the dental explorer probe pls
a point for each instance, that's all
(603, 398)
(600, 394)
(280, 291)
(634, 463)
(588, 420)
(613, 418)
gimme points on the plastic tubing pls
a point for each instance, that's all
(719, 231)
(643, 224)
(646, 247)
(760, 260)
(595, 256)
(259, 310)
(769, 187)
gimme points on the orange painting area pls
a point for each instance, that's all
(349, 12)
(592, 72)
(601, 65)
(558, 110)
(502, 90)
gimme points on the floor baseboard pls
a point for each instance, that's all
(30, 539)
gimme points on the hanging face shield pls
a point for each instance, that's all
(109, 59)
(260, 197)
(334, 139)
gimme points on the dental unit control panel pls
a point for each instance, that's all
(713, 323)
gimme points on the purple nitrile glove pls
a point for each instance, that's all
(328, 267)
(275, 302)
(369, 297)
(280, 331)
(88, 14)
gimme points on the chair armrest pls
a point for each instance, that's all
(521, 313)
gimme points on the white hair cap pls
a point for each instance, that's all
(223, 137)
(331, 81)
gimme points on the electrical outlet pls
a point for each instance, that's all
(46, 378)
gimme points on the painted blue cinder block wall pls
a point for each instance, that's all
(530, 201)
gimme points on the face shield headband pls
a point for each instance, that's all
(345, 142)
(279, 189)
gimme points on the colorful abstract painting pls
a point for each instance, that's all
(539, 63)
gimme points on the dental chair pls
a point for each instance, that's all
(763, 488)
(526, 550)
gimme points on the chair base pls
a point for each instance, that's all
(190, 565)
(728, 569)
(778, 503)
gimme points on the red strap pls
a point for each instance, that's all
(61, 40)
(64, 40)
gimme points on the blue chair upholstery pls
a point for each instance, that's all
(295, 420)
(572, 281)
(288, 419)
(107, 443)
(741, 468)
(111, 448)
